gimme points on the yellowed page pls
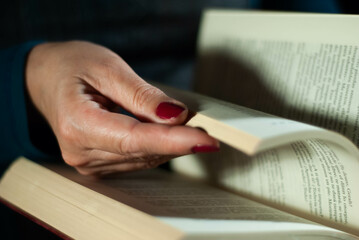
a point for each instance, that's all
(310, 178)
(74, 210)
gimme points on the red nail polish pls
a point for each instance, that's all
(167, 110)
(204, 148)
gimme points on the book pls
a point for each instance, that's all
(295, 67)
(150, 204)
(276, 176)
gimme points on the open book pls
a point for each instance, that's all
(302, 67)
(287, 180)
(151, 204)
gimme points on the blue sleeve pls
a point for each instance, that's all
(14, 132)
(317, 6)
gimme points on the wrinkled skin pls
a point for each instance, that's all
(76, 85)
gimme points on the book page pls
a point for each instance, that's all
(161, 193)
(200, 210)
(296, 66)
(87, 208)
(308, 178)
(248, 130)
(291, 65)
(209, 229)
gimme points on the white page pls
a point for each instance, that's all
(310, 178)
(301, 66)
(249, 130)
(293, 65)
(235, 229)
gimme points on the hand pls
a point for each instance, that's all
(76, 86)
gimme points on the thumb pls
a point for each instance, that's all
(124, 87)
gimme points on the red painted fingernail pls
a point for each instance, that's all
(167, 110)
(204, 148)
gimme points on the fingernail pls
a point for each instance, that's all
(167, 110)
(204, 148)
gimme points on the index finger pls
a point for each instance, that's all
(122, 134)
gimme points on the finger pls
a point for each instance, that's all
(93, 95)
(161, 139)
(97, 158)
(121, 134)
(117, 167)
(117, 81)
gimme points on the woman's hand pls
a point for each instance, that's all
(76, 85)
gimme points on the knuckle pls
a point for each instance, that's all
(72, 160)
(122, 146)
(126, 145)
(108, 64)
(152, 164)
(75, 159)
(85, 171)
(94, 172)
(66, 131)
(140, 166)
(144, 92)
(106, 68)
(150, 161)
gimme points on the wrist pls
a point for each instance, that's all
(38, 128)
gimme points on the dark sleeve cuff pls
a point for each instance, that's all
(15, 139)
(318, 6)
